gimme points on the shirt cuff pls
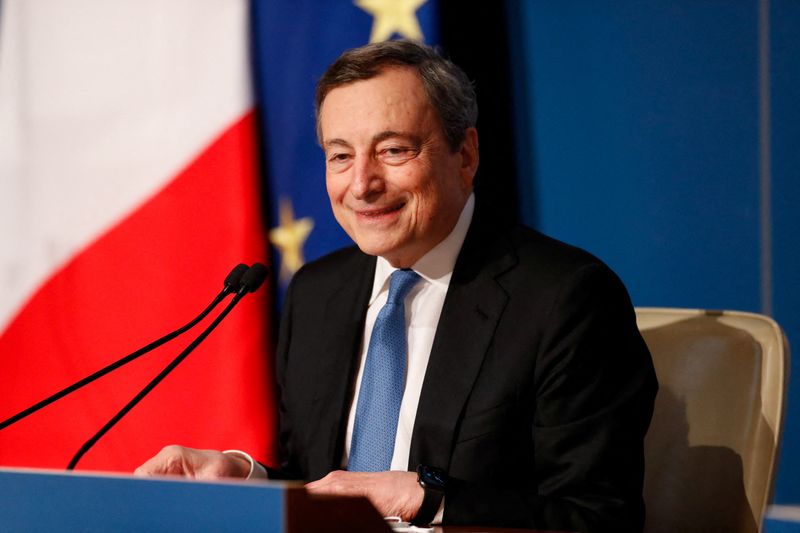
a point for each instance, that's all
(257, 471)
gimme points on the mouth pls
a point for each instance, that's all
(376, 214)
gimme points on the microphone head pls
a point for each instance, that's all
(234, 278)
(253, 278)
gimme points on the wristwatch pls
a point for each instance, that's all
(433, 481)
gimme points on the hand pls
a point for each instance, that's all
(191, 463)
(392, 493)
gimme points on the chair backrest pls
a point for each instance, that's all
(711, 450)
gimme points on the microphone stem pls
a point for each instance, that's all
(113, 366)
(150, 386)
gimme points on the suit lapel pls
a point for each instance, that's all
(472, 308)
(340, 338)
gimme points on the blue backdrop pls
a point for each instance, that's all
(663, 137)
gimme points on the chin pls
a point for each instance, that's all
(376, 246)
(370, 249)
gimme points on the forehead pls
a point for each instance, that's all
(396, 95)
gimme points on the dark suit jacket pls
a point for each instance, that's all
(537, 396)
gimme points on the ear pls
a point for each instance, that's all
(469, 157)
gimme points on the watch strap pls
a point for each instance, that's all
(431, 501)
(430, 506)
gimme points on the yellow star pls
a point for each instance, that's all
(289, 238)
(393, 16)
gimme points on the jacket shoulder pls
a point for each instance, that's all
(551, 257)
(332, 269)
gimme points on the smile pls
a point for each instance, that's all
(378, 213)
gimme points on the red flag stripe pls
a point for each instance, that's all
(150, 273)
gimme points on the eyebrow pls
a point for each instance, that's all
(337, 142)
(382, 136)
(390, 134)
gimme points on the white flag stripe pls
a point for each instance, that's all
(94, 119)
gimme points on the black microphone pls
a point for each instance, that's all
(231, 285)
(249, 282)
(234, 278)
(253, 278)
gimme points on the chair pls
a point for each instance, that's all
(712, 447)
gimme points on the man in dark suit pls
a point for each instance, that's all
(526, 389)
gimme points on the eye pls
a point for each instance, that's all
(338, 161)
(396, 154)
(338, 157)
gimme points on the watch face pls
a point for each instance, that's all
(431, 477)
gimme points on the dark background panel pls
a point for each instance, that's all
(476, 40)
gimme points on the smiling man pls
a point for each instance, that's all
(396, 185)
(451, 368)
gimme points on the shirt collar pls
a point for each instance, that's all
(437, 265)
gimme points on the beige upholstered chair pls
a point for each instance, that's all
(712, 446)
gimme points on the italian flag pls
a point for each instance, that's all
(128, 190)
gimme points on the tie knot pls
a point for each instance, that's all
(401, 282)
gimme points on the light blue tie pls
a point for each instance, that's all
(383, 382)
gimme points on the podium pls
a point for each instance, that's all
(47, 500)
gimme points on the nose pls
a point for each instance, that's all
(367, 180)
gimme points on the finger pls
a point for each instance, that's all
(155, 467)
(170, 460)
(323, 482)
(318, 485)
(312, 485)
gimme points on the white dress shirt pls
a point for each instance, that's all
(423, 306)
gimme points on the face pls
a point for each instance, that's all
(394, 184)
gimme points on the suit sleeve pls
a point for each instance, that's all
(592, 400)
(287, 468)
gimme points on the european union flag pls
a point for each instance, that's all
(294, 41)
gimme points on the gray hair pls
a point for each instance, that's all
(449, 90)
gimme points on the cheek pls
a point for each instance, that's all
(417, 182)
(437, 203)
(336, 189)
(431, 197)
